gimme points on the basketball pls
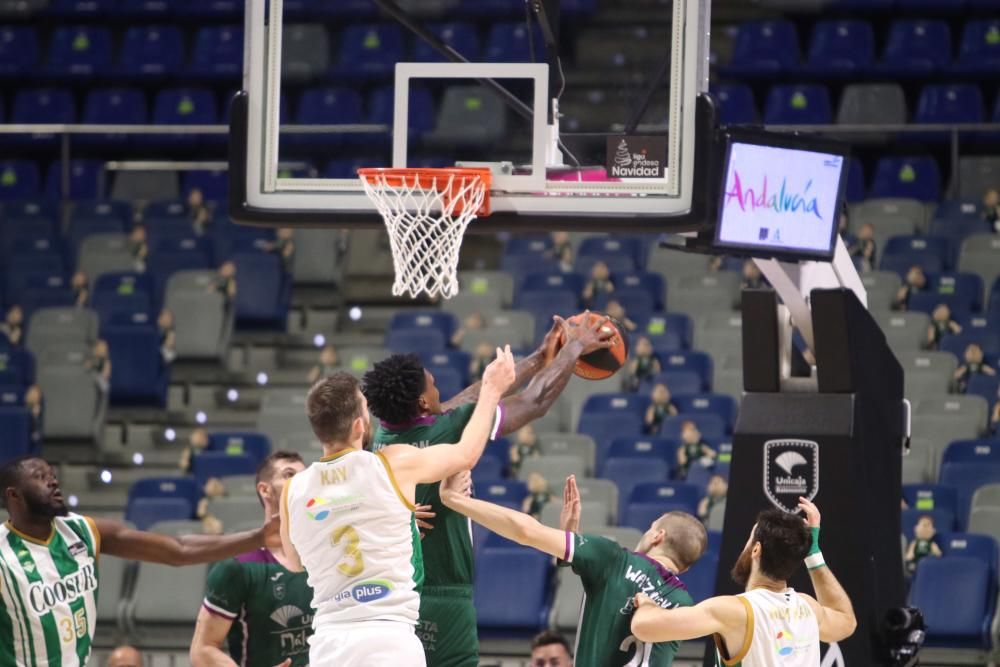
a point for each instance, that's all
(600, 364)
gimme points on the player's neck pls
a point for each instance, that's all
(665, 561)
(39, 528)
(768, 584)
(334, 448)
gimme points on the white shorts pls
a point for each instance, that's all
(371, 644)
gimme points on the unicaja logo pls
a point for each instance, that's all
(784, 200)
(789, 460)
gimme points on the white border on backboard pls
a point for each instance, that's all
(654, 197)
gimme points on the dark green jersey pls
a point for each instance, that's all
(447, 548)
(270, 607)
(612, 576)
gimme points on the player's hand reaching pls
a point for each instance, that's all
(271, 529)
(501, 372)
(422, 514)
(456, 486)
(569, 518)
(553, 339)
(592, 336)
(810, 511)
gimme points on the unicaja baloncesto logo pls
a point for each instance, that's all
(791, 471)
(783, 200)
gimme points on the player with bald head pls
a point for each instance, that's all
(125, 656)
(612, 575)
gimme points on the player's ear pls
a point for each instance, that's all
(358, 427)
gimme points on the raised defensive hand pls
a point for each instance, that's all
(810, 511)
(501, 372)
(594, 335)
(569, 518)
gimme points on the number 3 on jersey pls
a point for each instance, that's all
(643, 651)
(67, 625)
(353, 564)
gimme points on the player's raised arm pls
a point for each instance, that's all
(536, 399)
(522, 528)
(832, 606)
(119, 540)
(724, 615)
(413, 466)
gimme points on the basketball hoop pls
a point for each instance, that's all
(426, 212)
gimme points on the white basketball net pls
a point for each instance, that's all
(426, 218)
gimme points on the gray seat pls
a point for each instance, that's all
(358, 359)
(977, 175)
(881, 287)
(74, 405)
(317, 256)
(513, 327)
(939, 432)
(981, 254)
(602, 490)
(61, 325)
(103, 253)
(702, 295)
(592, 515)
(987, 495)
(973, 408)
(720, 333)
(928, 451)
(202, 322)
(277, 425)
(890, 217)
(905, 332)
(469, 116)
(145, 186)
(674, 264)
(576, 394)
(164, 606)
(303, 442)
(985, 521)
(63, 354)
(234, 510)
(716, 517)
(282, 399)
(305, 52)
(568, 602)
(915, 467)
(872, 104)
(555, 469)
(241, 486)
(557, 419)
(927, 373)
(111, 603)
(569, 444)
(485, 283)
(193, 280)
(464, 304)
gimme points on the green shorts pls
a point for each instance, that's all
(447, 626)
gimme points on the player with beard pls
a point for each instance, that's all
(770, 624)
(611, 574)
(48, 565)
(349, 520)
(253, 602)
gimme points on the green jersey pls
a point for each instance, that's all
(269, 606)
(48, 594)
(612, 576)
(448, 548)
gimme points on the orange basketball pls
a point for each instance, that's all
(601, 364)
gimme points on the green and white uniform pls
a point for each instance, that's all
(782, 631)
(49, 594)
(612, 576)
(357, 538)
(447, 616)
(269, 606)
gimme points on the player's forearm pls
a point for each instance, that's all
(194, 549)
(209, 656)
(536, 399)
(525, 370)
(831, 595)
(477, 432)
(513, 525)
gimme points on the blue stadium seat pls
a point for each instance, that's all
(979, 51)
(421, 117)
(528, 245)
(326, 106)
(700, 579)
(543, 304)
(608, 416)
(521, 265)
(15, 431)
(484, 8)
(973, 545)
(17, 366)
(220, 464)
(455, 360)
(551, 280)
(958, 602)
(956, 228)
(935, 6)
(439, 321)
(412, 339)
(460, 36)
(916, 47)
(944, 520)
(987, 339)
(139, 376)
(736, 103)
(18, 50)
(983, 450)
(122, 292)
(711, 425)
(512, 589)
(798, 105)
(511, 43)
(841, 47)
(82, 224)
(151, 51)
(924, 497)
(85, 178)
(507, 492)
(38, 289)
(616, 262)
(603, 246)
(907, 178)
(638, 303)
(165, 487)
(79, 51)
(765, 48)
(679, 493)
(700, 475)
(487, 469)
(12, 395)
(639, 447)
(950, 104)
(369, 50)
(214, 185)
(721, 405)
(211, 9)
(263, 291)
(218, 52)
(966, 477)
(42, 105)
(238, 443)
(112, 106)
(629, 472)
(145, 512)
(80, 8)
(679, 382)
(652, 283)
(855, 182)
(670, 332)
(185, 106)
(902, 252)
(176, 254)
(696, 362)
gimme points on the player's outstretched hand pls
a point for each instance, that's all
(456, 486)
(553, 339)
(422, 514)
(501, 373)
(811, 512)
(569, 518)
(593, 336)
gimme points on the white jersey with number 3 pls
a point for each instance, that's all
(357, 538)
(781, 632)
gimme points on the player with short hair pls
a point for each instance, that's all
(403, 396)
(550, 649)
(770, 625)
(254, 602)
(611, 574)
(48, 565)
(349, 519)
